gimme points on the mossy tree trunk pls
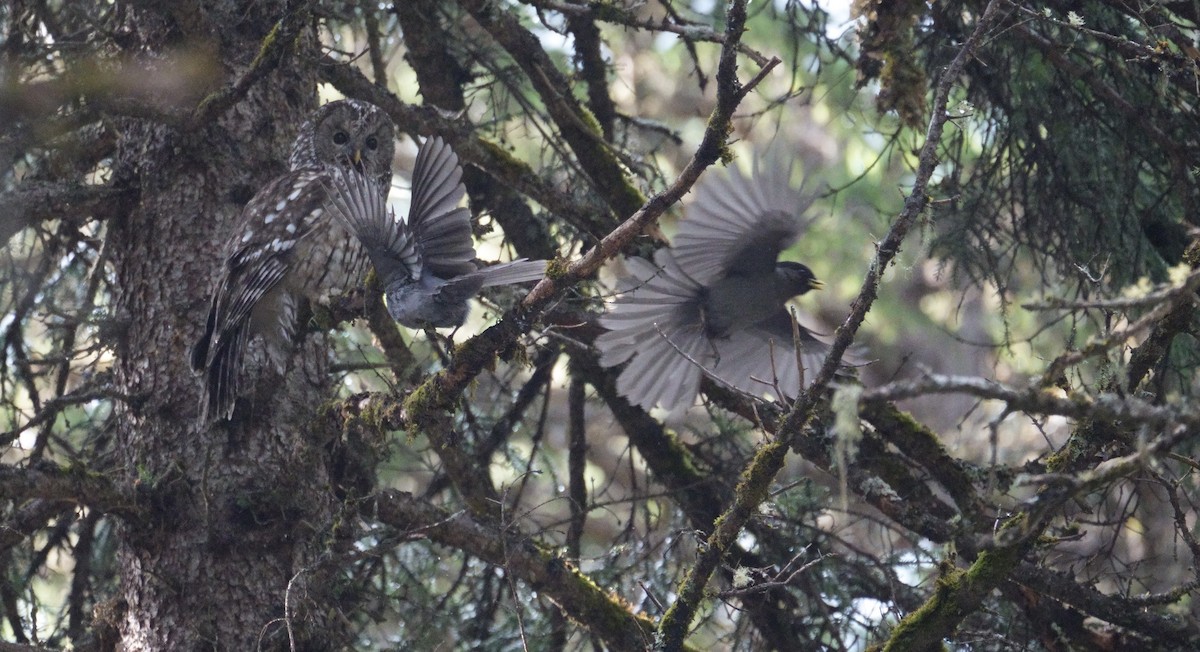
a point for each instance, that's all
(238, 514)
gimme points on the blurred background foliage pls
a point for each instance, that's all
(1067, 171)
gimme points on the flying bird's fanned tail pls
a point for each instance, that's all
(762, 360)
(518, 271)
(657, 319)
(651, 297)
(662, 373)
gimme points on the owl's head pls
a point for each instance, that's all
(351, 133)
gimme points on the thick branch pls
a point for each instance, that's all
(1110, 407)
(86, 489)
(276, 46)
(33, 202)
(1167, 630)
(45, 492)
(577, 126)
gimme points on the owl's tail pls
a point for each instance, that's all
(221, 362)
(221, 377)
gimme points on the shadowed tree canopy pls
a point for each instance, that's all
(1005, 223)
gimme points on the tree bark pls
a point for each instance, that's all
(239, 512)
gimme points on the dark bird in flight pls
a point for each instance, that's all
(715, 302)
(427, 264)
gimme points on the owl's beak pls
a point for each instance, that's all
(357, 157)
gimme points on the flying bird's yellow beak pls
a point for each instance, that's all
(816, 285)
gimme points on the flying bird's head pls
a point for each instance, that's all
(797, 278)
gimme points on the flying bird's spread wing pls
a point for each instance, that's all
(362, 207)
(738, 225)
(442, 227)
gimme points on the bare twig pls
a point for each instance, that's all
(1169, 292)
(611, 618)
(614, 14)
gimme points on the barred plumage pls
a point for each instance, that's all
(287, 249)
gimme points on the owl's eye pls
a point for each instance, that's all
(340, 138)
(372, 143)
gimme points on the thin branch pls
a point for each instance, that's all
(1131, 410)
(576, 125)
(782, 579)
(1172, 299)
(606, 615)
(1168, 293)
(50, 410)
(613, 13)
(371, 23)
(577, 465)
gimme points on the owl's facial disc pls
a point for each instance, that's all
(353, 146)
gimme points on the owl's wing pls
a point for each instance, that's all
(285, 211)
(441, 227)
(739, 224)
(360, 203)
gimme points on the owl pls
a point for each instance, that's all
(286, 250)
